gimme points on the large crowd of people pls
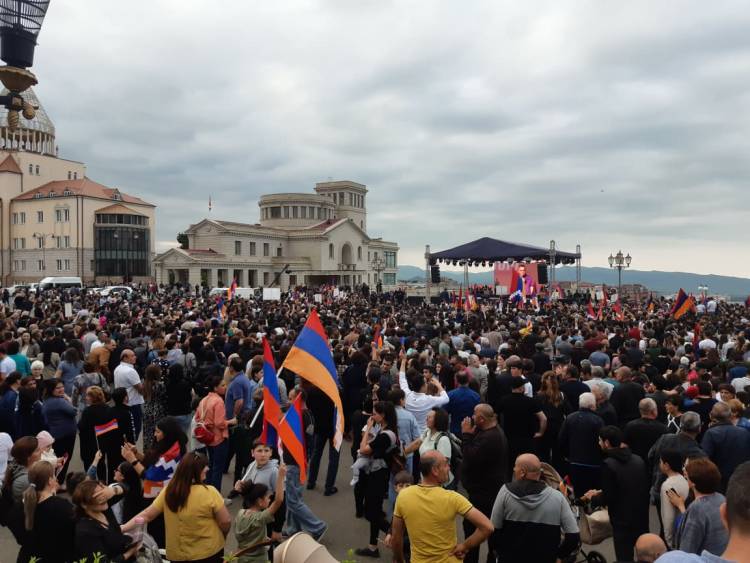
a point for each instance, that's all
(523, 420)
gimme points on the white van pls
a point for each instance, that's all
(60, 283)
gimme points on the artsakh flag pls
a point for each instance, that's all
(106, 427)
(292, 434)
(271, 399)
(311, 358)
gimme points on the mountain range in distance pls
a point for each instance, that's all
(666, 283)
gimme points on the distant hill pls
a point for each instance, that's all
(662, 282)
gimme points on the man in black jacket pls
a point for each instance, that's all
(483, 470)
(579, 444)
(624, 492)
(641, 434)
(626, 397)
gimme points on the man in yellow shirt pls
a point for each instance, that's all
(428, 511)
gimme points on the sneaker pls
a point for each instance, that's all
(331, 491)
(321, 534)
(367, 552)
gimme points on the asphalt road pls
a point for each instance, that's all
(344, 532)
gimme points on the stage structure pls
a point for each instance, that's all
(486, 251)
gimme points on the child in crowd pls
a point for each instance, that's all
(46, 441)
(401, 480)
(363, 462)
(264, 471)
(258, 512)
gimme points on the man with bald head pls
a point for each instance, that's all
(428, 512)
(529, 516)
(648, 548)
(483, 470)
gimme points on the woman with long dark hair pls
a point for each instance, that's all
(196, 519)
(156, 466)
(155, 407)
(179, 396)
(381, 449)
(555, 408)
(132, 501)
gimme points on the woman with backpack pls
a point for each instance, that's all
(211, 417)
(436, 436)
(90, 376)
(381, 449)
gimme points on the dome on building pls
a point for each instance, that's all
(36, 135)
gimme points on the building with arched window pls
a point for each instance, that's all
(300, 239)
(55, 221)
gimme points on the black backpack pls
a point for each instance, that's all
(457, 455)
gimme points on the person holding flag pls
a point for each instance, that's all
(99, 430)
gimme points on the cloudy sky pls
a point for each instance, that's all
(606, 124)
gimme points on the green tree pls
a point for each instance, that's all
(182, 238)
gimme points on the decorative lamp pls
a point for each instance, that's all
(20, 23)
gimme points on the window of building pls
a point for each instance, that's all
(237, 247)
(252, 249)
(376, 255)
(292, 280)
(368, 255)
(341, 198)
(320, 212)
(38, 195)
(279, 251)
(266, 249)
(66, 241)
(390, 259)
(31, 168)
(311, 212)
(286, 212)
(62, 215)
(40, 265)
(37, 170)
(40, 242)
(67, 192)
(294, 212)
(389, 279)
(59, 264)
(14, 219)
(330, 250)
(75, 175)
(275, 212)
(303, 212)
(67, 264)
(359, 253)
(40, 216)
(266, 277)
(69, 175)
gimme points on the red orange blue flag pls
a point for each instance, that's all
(271, 399)
(102, 429)
(292, 434)
(311, 359)
(232, 289)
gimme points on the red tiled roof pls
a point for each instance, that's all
(118, 208)
(83, 187)
(10, 165)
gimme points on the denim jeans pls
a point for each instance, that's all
(319, 444)
(216, 456)
(299, 517)
(137, 412)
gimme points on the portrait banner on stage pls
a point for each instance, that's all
(507, 277)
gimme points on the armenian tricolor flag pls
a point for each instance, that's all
(102, 429)
(682, 304)
(377, 338)
(292, 433)
(221, 308)
(590, 310)
(311, 359)
(650, 304)
(271, 399)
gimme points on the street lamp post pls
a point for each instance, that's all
(378, 264)
(619, 261)
(551, 277)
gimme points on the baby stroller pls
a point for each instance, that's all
(552, 479)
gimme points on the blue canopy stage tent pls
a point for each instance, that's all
(486, 250)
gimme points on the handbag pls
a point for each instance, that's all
(595, 527)
(201, 431)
